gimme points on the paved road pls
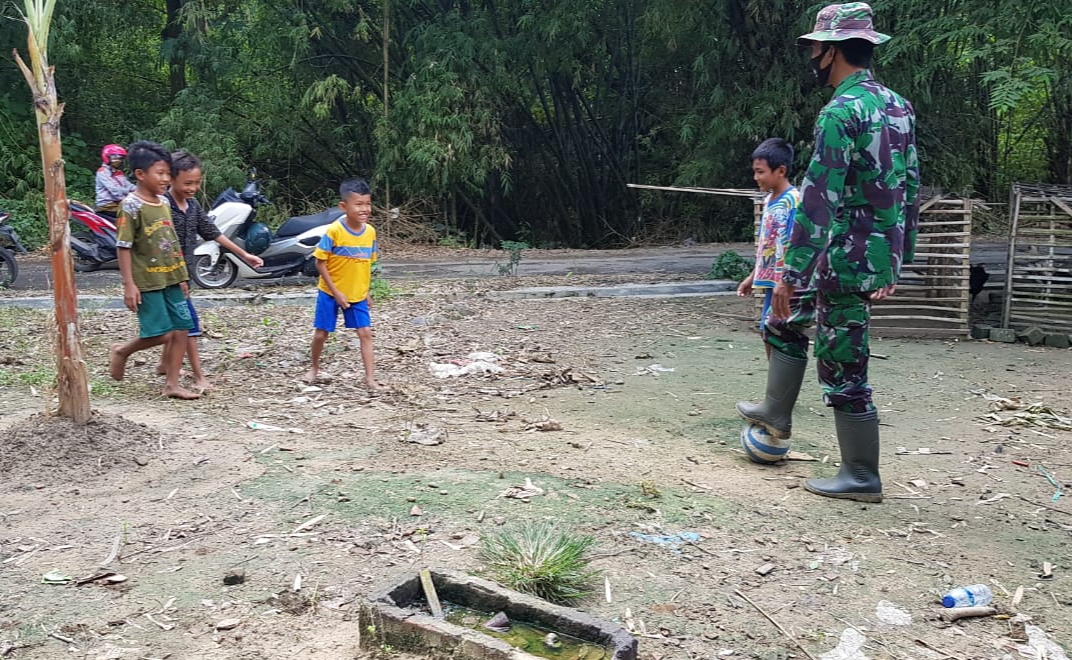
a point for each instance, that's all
(34, 273)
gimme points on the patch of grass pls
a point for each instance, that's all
(380, 290)
(104, 387)
(539, 559)
(34, 376)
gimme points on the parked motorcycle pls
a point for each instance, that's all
(288, 252)
(9, 244)
(92, 239)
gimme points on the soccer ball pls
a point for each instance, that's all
(761, 446)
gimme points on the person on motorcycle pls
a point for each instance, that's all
(112, 184)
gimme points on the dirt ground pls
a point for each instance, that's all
(644, 391)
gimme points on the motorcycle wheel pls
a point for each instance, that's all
(9, 269)
(207, 276)
(81, 264)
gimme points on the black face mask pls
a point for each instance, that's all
(819, 76)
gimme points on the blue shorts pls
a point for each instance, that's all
(327, 314)
(768, 297)
(196, 330)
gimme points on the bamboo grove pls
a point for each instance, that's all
(525, 119)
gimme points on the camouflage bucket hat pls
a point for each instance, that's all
(841, 22)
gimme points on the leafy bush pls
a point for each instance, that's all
(730, 266)
(28, 218)
(539, 560)
(513, 250)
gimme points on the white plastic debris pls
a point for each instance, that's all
(475, 363)
(849, 648)
(892, 615)
(1039, 645)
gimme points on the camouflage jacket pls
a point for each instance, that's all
(859, 212)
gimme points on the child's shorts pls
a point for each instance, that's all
(195, 331)
(327, 314)
(162, 311)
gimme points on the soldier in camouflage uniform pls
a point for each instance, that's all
(856, 226)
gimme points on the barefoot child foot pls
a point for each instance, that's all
(179, 392)
(117, 362)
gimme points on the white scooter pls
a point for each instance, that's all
(288, 252)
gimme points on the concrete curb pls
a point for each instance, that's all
(669, 290)
(208, 301)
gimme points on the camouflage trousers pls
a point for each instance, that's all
(842, 348)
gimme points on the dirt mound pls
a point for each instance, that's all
(43, 446)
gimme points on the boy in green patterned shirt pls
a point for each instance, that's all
(153, 269)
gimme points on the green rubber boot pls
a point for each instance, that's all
(784, 377)
(857, 479)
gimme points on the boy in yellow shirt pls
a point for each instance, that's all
(344, 259)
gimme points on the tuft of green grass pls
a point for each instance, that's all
(540, 560)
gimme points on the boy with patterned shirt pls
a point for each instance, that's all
(785, 339)
(772, 162)
(344, 259)
(153, 269)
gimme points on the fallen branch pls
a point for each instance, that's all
(966, 612)
(1045, 506)
(776, 624)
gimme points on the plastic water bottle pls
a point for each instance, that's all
(973, 596)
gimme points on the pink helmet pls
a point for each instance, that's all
(111, 150)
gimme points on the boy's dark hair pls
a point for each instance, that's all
(184, 161)
(857, 52)
(777, 152)
(144, 154)
(353, 185)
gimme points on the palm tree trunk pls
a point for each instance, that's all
(71, 379)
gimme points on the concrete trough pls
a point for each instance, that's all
(395, 615)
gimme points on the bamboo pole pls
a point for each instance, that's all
(72, 383)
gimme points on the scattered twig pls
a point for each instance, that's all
(701, 549)
(1045, 506)
(776, 624)
(938, 650)
(114, 554)
(163, 626)
(65, 640)
(696, 485)
(309, 523)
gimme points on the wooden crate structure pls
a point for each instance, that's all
(932, 297)
(1038, 283)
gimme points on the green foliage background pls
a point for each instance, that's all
(524, 119)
